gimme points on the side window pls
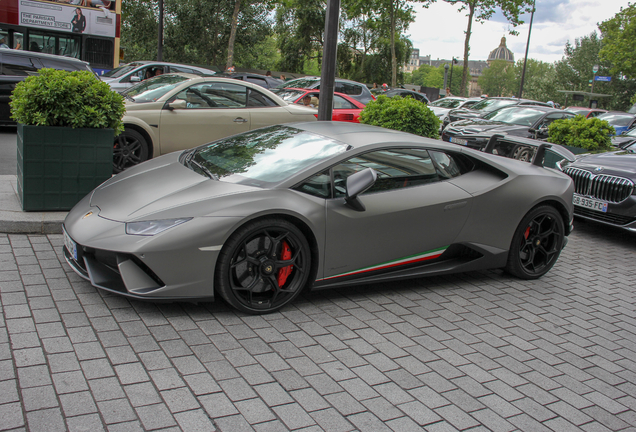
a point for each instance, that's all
(224, 95)
(445, 164)
(396, 169)
(258, 99)
(351, 89)
(318, 185)
(183, 70)
(550, 118)
(258, 81)
(19, 65)
(341, 103)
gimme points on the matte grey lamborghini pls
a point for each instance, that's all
(259, 216)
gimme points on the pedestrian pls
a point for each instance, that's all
(282, 77)
(448, 92)
(268, 73)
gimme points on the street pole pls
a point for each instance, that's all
(525, 60)
(160, 36)
(450, 85)
(329, 52)
(445, 78)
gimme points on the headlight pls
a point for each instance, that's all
(150, 228)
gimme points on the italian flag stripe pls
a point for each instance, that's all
(432, 254)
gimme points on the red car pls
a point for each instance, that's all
(345, 108)
(586, 112)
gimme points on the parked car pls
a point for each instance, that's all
(178, 111)
(604, 187)
(523, 121)
(487, 105)
(127, 75)
(621, 121)
(356, 90)
(441, 107)
(265, 81)
(258, 217)
(345, 108)
(16, 65)
(625, 139)
(586, 112)
(406, 93)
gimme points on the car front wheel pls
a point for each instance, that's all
(536, 244)
(263, 266)
(130, 149)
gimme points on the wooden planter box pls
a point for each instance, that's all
(58, 166)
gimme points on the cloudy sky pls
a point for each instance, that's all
(439, 30)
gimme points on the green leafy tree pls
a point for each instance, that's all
(498, 79)
(591, 134)
(431, 76)
(619, 42)
(403, 114)
(539, 82)
(483, 10)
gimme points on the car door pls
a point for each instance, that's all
(213, 110)
(343, 110)
(264, 111)
(412, 213)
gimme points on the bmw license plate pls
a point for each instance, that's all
(458, 141)
(592, 204)
(70, 245)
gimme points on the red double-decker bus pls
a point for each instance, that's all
(84, 29)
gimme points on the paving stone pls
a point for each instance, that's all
(49, 420)
(37, 398)
(155, 417)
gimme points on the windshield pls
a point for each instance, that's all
(121, 70)
(290, 95)
(263, 157)
(446, 103)
(152, 89)
(631, 133)
(516, 116)
(298, 83)
(617, 119)
(488, 105)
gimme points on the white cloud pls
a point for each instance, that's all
(440, 29)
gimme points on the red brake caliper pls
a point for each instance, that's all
(527, 233)
(284, 273)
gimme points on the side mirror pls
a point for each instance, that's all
(177, 104)
(135, 79)
(358, 183)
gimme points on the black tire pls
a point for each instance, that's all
(248, 271)
(130, 149)
(536, 244)
(523, 154)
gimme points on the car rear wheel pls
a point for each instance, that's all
(536, 244)
(523, 154)
(263, 266)
(130, 149)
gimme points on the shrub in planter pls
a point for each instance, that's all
(73, 99)
(67, 122)
(590, 134)
(403, 114)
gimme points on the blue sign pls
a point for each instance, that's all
(602, 78)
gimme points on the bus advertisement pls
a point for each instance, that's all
(84, 29)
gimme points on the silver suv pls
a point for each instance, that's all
(356, 90)
(129, 74)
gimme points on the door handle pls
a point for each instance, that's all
(240, 120)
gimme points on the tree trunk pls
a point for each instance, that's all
(393, 57)
(230, 46)
(464, 89)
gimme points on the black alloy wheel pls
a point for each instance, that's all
(536, 244)
(263, 266)
(130, 149)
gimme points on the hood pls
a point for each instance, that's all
(155, 186)
(622, 163)
(439, 110)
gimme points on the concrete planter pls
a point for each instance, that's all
(58, 166)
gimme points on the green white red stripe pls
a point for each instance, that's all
(432, 254)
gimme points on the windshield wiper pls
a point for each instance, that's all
(190, 161)
(129, 97)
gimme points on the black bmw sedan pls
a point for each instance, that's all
(522, 121)
(604, 187)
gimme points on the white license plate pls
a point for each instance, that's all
(590, 203)
(458, 141)
(70, 245)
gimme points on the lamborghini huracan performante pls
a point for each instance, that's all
(259, 216)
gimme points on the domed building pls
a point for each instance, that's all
(501, 53)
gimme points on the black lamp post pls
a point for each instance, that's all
(453, 62)
(160, 36)
(525, 60)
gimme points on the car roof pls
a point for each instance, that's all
(141, 63)
(25, 53)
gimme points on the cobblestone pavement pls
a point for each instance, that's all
(479, 351)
